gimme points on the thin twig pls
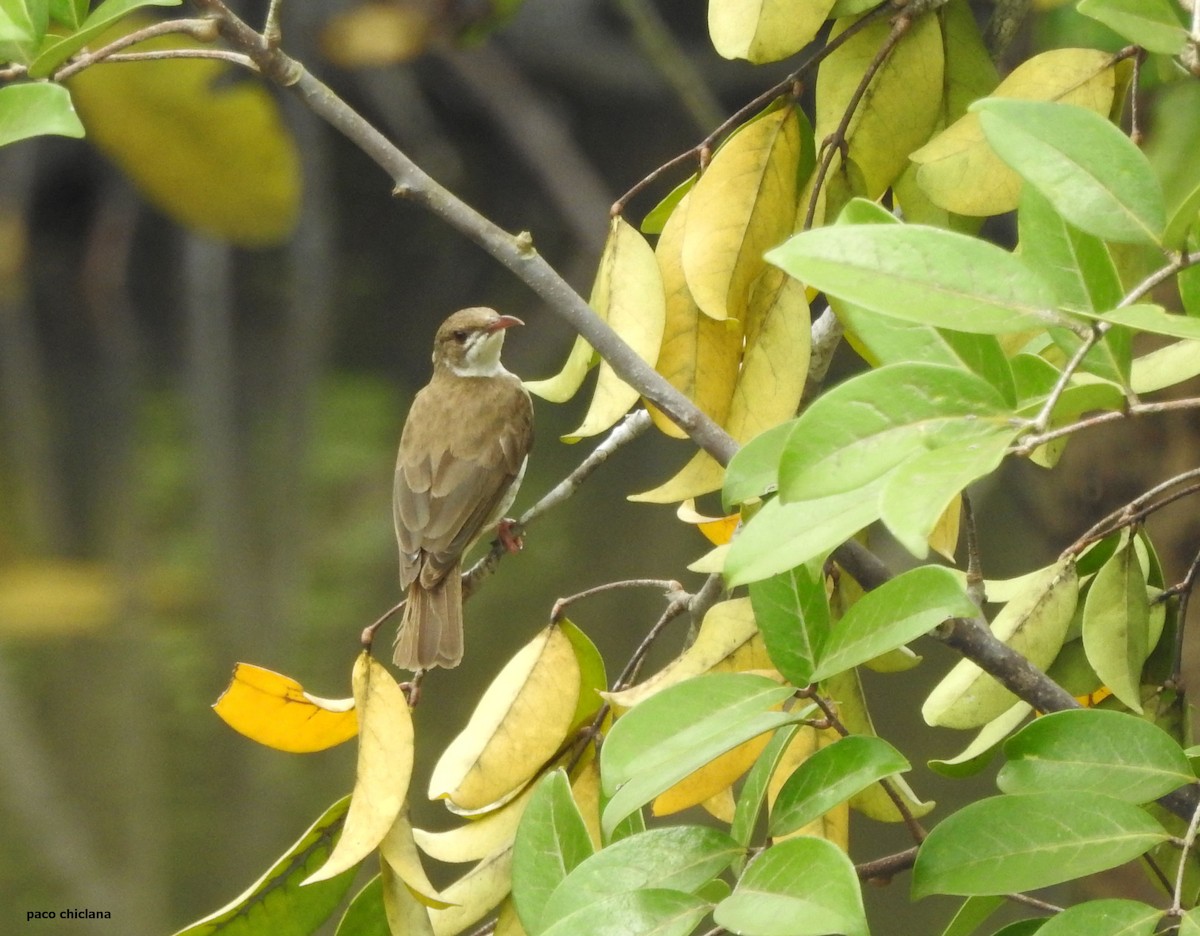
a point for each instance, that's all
(1183, 590)
(202, 30)
(669, 586)
(1031, 442)
(975, 586)
(1133, 512)
(1189, 839)
(220, 55)
(1040, 423)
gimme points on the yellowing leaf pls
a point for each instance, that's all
(699, 355)
(403, 911)
(586, 790)
(743, 204)
(944, 538)
(515, 729)
(398, 851)
(958, 169)
(474, 894)
(764, 30)
(57, 597)
(566, 383)
(1034, 623)
(475, 840)
(385, 758)
(769, 385)
(203, 143)
(274, 710)
(835, 824)
(375, 34)
(721, 806)
(628, 294)
(717, 530)
(901, 104)
(711, 779)
(728, 641)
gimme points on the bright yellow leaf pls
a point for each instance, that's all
(699, 355)
(717, 530)
(474, 894)
(743, 204)
(516, 728)
(958, 169)
(728, 641)
(204, 143)
(385, 759)
(764, 30)
(901, 105)
(711, 779)
(628, 294)
(274, 710)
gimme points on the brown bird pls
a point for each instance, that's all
(462, 456)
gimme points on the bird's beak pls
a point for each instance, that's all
(504, 321)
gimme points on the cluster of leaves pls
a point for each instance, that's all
(973, 354)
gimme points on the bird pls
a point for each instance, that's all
(463, 452)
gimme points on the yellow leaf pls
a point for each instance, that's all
(515, 729)
(403, 911)
(699, 355)
(507, 921)
(717, 530)
(203, 142)
(566, 383)
(901, 104)
(728, 641)
(944, 538)
(385, 758)
(769, 385)
(711, 779)
(375, 34)
(711, 562)
(764, 30)
(473, 894)
(958, 169)
(721, 806)
(586, 790)
(56, 597)
(274, 710)
(477, 839)
(628, 294)
(743, 204)
(398, 852)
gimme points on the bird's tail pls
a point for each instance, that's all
(431, 633)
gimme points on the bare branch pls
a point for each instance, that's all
(202, 30)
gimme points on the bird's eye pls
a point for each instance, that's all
(460, 336)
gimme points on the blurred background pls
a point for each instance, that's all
(207, 347)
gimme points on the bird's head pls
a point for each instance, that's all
(468, 343)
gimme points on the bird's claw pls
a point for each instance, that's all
(509, 535)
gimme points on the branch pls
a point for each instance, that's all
(202, 30)
(515, 252)
(1029, 443)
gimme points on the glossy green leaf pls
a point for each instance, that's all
(792, 613)
(98, 21)
(678, 730)
(652, 912)
(1085, 166)
(781, 536)
(1104, 918)
(1116, 624)
(656, 217)
(802, 887)
(678, 858)
(68, 13)
(921, 274)
(23, 23)
(1025, 841)
(754, 468)
(867, 426)
(900, 610)
(276, 904)
(32, 109)
(1098, 750)
(1152, 24)
(754, 788)
(365, 916)
(831, 776)
(552, 840)
(972, 915)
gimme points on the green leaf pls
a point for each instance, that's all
(276, 904)
(98, 21)
(792, 613)
(656, 217)
(1152, 24)
(1104, 918)
(978, 754)
(365, 916)
(919, 491)
(781, 536)
(1025, 841)
(68, 13)
(754, 468)
(680, 729)
(802, 887)
(1154, 319)
(1189, 925)
(23, 23)
(28, 110)
(1116, 625)
(831, 776)
(900, 610)
(677, 858)
(652, 912)
(921, 274)
(1084, 165)
(754, 788)
(867, 426)
(1098, 750)
(552, 840)
(972, 914)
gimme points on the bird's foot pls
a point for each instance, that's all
(509, 535)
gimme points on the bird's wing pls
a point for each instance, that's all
(449, 482)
